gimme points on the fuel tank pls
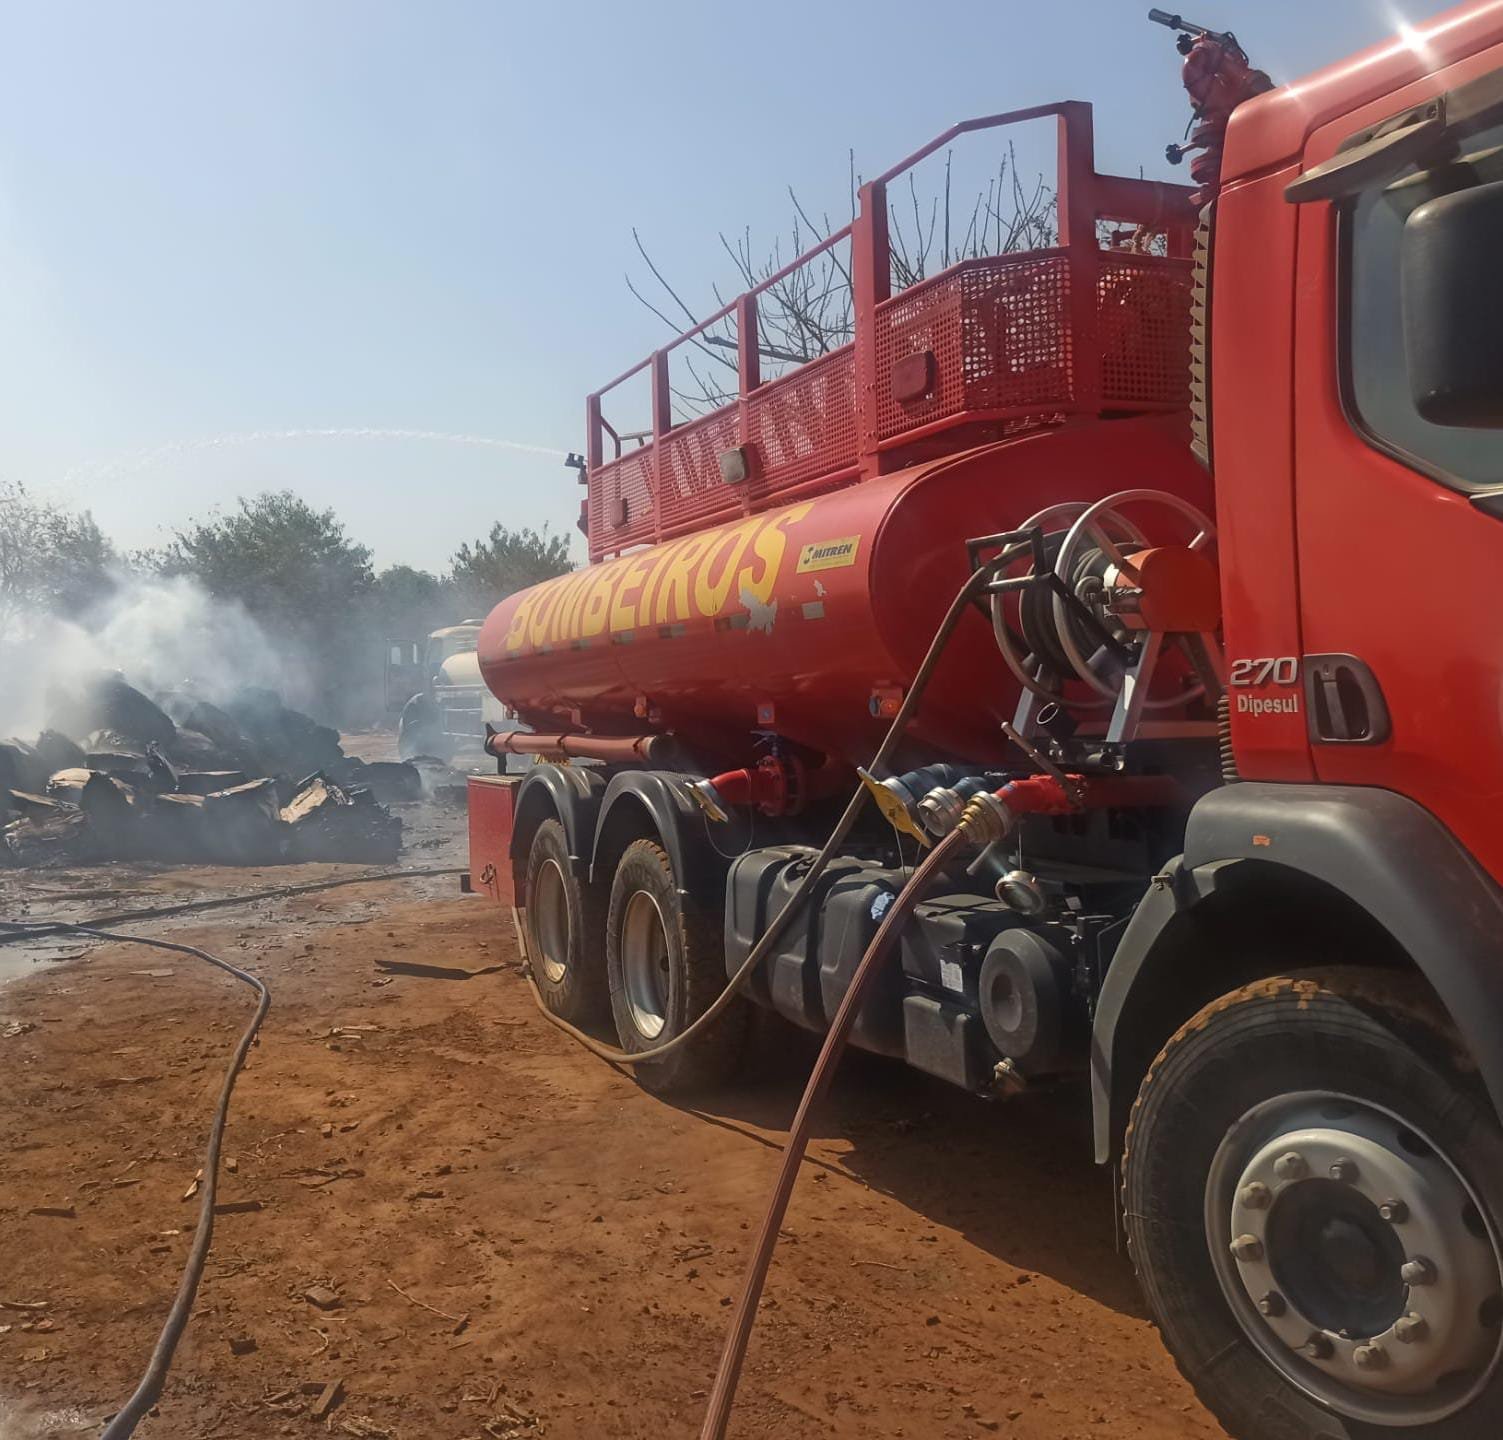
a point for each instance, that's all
(810, 619)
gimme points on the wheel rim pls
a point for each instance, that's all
(644, 964)
(1356, 1258)
(550, 921)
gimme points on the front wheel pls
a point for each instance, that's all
(666, 964)
(1314, 1189)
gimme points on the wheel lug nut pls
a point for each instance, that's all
(1256, 1196)
(1272, 1305)
(1370, 1357)
(1247, 1248)
(1396, 1212)
(1319, 1345)
(1292, 1166)
(1345, 1171)
(1411, 1329)
(1418, 1271)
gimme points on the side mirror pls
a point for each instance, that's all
(1452, 278)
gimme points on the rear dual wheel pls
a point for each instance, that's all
(665, 963)
(565, 928)
(1314, 1197)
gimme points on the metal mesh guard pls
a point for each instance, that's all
(629, 479)
(1003, 344)
(804, 425)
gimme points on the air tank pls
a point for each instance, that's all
(809, 620)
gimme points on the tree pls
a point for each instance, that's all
(291, 566)
(84, 565)
(52, 562)
(409, 603)
(298, 574)
(507, 561)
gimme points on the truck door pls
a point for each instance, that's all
(1399, 519)
(404, 672)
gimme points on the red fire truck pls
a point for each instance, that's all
(1095, 565)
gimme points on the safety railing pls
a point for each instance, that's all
(1069, 330)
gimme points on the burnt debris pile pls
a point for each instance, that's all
(118, 775)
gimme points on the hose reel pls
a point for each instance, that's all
(1120, 597)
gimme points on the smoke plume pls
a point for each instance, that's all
(158, 632)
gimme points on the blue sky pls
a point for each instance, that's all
(254, 217)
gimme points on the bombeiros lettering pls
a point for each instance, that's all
(698, 577)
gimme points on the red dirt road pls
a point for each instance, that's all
(948, 1268)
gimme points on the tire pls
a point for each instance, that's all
(1333, 1087)
(666, 966)
(565, 920)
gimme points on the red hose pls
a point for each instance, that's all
(723, 1396)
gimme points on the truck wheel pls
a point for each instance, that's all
(565, 921)
(666, 965)
(1313, 1186)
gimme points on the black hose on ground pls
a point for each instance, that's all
(972, 590)
(14, 931)
(149, 1390)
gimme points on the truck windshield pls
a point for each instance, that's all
(1375, 369)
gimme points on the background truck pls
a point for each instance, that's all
(1155, 579)
(444, 705)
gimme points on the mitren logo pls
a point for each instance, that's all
(828, 554)
(1252, 705)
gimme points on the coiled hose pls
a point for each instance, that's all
(972, 590)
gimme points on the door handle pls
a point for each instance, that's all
(1344, 702)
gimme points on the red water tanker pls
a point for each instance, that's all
(807, 620)
(781, 564)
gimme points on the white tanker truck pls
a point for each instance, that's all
(444, 703)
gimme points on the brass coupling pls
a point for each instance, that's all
(987, 818)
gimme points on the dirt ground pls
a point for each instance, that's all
(519, 1241)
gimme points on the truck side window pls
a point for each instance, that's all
(1374, 371)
